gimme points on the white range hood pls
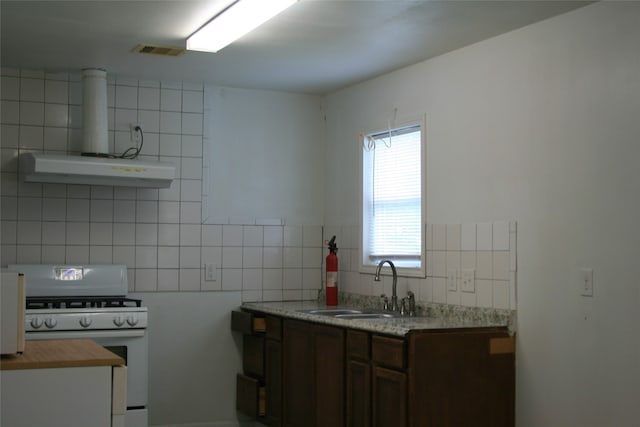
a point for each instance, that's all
(96, 166)
(65, 169)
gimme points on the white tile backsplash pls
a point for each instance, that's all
(101, 210)
(170, 100)
(56, 91)
(56, 115)
(77, 233)
(31, 137)
(169, 234)
(211, 235)
(146, 257)
(192, 101)
(32, 89)
(192, 146)
(149, 99)
(293, 236)
(147, 234)
(101, 233)
(169, 256)
(501, 236)
(55, 139)
(124, 234)
(484, 236)
(453, 237)
(53, 233)
(190, 234)
(171, 123)
(126, 97)
(192, 123)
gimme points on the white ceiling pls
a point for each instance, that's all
(316, 46)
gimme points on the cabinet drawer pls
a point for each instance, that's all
(247, 323)
(357, 345)
(250, 396)
(388, 352)
(274, 328)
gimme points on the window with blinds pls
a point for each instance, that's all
(392, 198)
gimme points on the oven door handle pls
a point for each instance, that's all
(60, 335)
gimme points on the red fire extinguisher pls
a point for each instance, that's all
(332, 273)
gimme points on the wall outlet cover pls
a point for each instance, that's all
(468, 280)
(452, 279)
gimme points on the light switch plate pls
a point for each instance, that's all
(452, 279)
(468, 280)
(210, 272)
(586, 286)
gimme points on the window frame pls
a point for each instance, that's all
(365, 265)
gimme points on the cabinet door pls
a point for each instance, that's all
(389, 398)
(358, 394)
(298, 384)
(313, 365)
(329, 375)
(457, 380)
(273, 382)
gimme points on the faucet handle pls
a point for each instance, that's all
(403, 306)
(385, 302)
(412, 303)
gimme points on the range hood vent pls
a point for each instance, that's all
(96, 166)
(38, 167)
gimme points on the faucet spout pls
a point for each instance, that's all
(394, 295)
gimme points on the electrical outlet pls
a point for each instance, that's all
(468, 280)
(586, 286)
(452, 279)
(210, 272)
(134, 130)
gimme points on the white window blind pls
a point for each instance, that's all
(392, 197)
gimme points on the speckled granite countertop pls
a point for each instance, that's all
(429, 317)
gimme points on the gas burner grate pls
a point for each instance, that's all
(35, 303)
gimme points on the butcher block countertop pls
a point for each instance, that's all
(60, 354)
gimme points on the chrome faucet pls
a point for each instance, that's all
(394, 296)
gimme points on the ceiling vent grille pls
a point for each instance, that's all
(159, 50)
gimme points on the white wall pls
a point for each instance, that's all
(269, 146)
(193, 357)
(540, 126)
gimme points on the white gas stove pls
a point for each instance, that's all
(90, 301)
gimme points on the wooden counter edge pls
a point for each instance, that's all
(61, 354)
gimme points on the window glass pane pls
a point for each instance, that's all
(392, 192)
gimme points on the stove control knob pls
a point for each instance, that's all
(132, 320)
(85, 322)
(36, 322)
(50, 322)
(118, 321)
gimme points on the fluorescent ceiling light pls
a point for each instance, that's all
(234, 22)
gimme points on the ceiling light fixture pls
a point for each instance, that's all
(234, 22)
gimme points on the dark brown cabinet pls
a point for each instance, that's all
(389, 400)
(273, 371)
(313, 375)
(462, 378)
(306, 374)
(389, 392)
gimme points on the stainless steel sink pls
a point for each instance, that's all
(352, 313)
(332, 311)
(379, 315)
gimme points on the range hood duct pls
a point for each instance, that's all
(95, 166)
